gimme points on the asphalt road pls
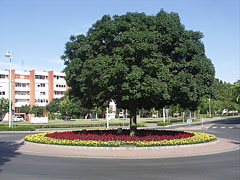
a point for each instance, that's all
(223, 166)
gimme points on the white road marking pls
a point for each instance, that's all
(230, 127)
(223, 127)
(214, 127)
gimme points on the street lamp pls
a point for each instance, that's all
(8, 55)
(210, 113)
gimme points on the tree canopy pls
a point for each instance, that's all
(139, 61)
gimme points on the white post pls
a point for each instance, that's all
(126, 115)
(107, 119)
(10, 96)
(8, 54)
(139, 116)
(210, 114)
(163, 114)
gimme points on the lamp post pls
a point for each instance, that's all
(210, 113)
(8, 55)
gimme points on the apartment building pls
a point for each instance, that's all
(32, 87)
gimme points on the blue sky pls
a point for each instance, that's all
(35, 31)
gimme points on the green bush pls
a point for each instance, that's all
(164, 123)
(17, 128)
(140, 125)
(51, 116)
(74, 116)
(58, 116)
(42, 126)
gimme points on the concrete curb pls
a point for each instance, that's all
(219, 146)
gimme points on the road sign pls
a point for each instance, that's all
(189, 121)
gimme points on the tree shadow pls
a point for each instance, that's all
(8, 150)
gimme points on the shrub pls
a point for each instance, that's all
(17, 128)
(164, 123)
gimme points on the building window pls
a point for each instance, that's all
(2, 92)
(41, 85)
(58, 92)
(21, 85)
(41, 101)
(40, 77)
(60, 85)
(42, 93)
(2, 76)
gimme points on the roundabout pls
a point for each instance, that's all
(186, 144)
(118, 138)
(214, 160)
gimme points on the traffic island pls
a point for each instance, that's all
(112, 138)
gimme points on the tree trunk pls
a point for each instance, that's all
(133, 122)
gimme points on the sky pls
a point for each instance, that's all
(36, 31)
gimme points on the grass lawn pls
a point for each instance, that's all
(93, 123)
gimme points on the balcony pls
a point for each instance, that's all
(25, 81)
(20, 104)
(60, 89)
(22, 89)
(22, 96)
(45, 81)
(41, 104)
(4, 80)
(59, 81)
(57, 96)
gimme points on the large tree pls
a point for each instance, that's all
(139, 61)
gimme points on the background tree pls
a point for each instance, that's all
(54, 105)
(236, 92)
(225, 96)
(4, 107)
(37, 110)
(71, 105)
(25, 109)
(139, 61)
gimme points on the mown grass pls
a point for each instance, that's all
(89, 123)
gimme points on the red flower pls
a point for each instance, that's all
(112, 135)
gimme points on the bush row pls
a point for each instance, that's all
(164, 123)
(41, 126)
(17, 128)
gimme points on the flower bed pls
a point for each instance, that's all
(111, 138)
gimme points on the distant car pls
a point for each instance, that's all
(121, 115)
(154, 116)
(18, 118)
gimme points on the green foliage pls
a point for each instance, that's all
(4, 106)
(164, 124)
(139, 61)
(53, 106)
(25, 109)
(236, 92)
(18, 128)
(140, 125)
(70, 105)
(225, 96)
(51, 116)
(37, 110)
